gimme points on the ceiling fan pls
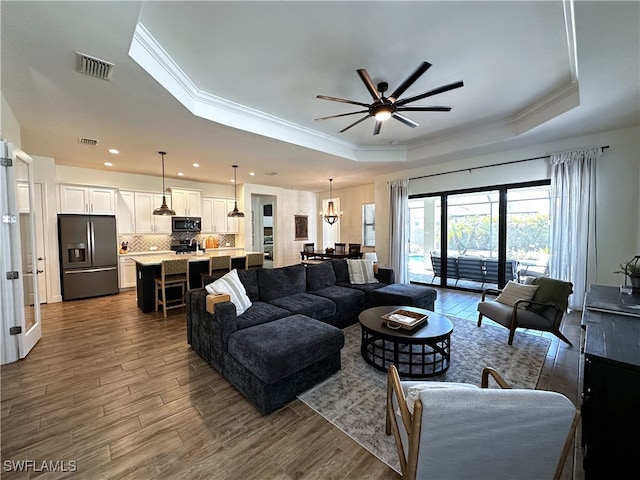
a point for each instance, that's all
(383, 107)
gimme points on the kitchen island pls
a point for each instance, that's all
(148, 269)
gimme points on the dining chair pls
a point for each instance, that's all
(354, 248)
(340, 248)
(173, 274)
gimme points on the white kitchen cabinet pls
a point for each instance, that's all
(214, 216)
(145, 220)
(186, 203)
(125, 212)
(126, 273)
(85, 199)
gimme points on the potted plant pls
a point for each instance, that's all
(632, 270)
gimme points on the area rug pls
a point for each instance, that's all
(354, 398)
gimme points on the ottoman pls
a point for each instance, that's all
(405, 294)
(272, 362)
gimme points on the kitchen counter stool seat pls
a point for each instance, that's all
(173, 274)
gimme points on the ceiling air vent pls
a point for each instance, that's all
(87, 141)
(94, 67)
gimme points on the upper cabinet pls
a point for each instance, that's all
(146, 221)
(84, 199)
(126, 212)
(186, 203)
(214, 216)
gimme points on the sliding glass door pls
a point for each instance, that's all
(481, 238)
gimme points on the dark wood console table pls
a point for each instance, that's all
(611, 389)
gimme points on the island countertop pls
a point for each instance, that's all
(156, 259)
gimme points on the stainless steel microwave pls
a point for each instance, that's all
(186, 224)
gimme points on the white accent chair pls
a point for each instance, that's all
(461, 431)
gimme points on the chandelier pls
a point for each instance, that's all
(163, 209)
(331, 216)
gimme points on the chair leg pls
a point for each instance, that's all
(164, 301)
(559, 334)
(512, 332)
(479, 319)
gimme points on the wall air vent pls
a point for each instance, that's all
(271, 174)
(94, 67)
(87, 141)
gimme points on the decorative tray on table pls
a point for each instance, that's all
(404, 319)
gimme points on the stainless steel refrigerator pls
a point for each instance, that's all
(88, 255)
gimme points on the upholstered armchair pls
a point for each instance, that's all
(538, 306)
(461, 431)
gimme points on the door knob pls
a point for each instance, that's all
(40, 258)
(39, 271)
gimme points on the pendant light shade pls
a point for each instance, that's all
(163, 209)
(235, 212)
(331, 216)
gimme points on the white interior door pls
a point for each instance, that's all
(21, 325)
(41, 271)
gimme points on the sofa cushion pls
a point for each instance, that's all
(341, 269)
(260, 312)
(320, 275)
(279, 282)
(361, 272)
(306, 304)
(231, 285)
(277, 349)
(404, 294)
(249, 278)
(349, 301)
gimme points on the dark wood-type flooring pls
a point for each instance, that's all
(113, 393)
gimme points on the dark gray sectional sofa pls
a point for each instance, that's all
(290, 338)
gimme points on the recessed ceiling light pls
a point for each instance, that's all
(253, 174)
(180, 174)
(108, 164)
(114, 151)
(196, 165)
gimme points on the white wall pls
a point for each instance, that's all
(617, 187)
(351, 202)
(9, 126)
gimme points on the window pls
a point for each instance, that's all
(369, 225)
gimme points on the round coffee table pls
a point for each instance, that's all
(422, 352)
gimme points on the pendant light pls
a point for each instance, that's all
(235, 212)
(164, 209)
(331, 216)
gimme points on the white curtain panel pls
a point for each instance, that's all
(398, 231)
(573, 229)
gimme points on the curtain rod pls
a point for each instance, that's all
(487, 166)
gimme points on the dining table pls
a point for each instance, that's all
(324, 255)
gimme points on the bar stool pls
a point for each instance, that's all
(254, 260)
(173, 273)
(218, 267)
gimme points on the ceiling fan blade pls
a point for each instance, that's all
(342, 100)
(377, 127)
(444, 88)
(364, 75)
(423, 67)
(405, 120)
(423, 109)
(355, 123)
(342, 115)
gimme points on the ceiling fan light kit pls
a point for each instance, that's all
(163, 209)
(384, 108)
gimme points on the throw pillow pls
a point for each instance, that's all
(361, 272)
(413, 392)
(513, 292)
(230, 284)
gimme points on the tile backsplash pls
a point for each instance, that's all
(143, 243)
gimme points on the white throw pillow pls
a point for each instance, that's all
(513, 292)
(231, 284)
(413, 392)
(361, 272)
